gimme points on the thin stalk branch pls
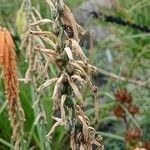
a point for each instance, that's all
(116, 77)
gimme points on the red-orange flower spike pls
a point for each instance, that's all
(8, 63)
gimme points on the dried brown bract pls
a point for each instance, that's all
(72, 28)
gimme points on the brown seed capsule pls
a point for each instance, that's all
(118, 111)
(133, 134)
(123, 96)
(133, 109)
(146, 145)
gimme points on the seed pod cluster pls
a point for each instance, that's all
(124, 98)
(123, 108)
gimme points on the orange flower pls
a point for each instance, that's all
(8, 63)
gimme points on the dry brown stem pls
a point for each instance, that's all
(116, 77)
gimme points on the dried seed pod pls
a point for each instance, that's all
(46, 84)
(63, 98)
(123, 96)
(56, 93)
(77, 50)
(69, 21)
(146, 145)
(76, 91)
(119, 111)
(59, 122)
(133, 134)
(42, 22)
(133, 109)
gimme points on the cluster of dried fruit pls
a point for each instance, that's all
(61, 48)
(123, 108)
(124, 98)
(8, 63)
(133, 136)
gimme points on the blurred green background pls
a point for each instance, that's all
(123, 51)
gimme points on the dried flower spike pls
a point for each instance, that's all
(60, 46)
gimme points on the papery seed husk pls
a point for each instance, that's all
(51, 5)
(46, 84)
(78, 78)
(78, 67)
(82, 147)
(42, 22)
(55, 96)
(50, 42)
(63, 98)
(46, 51)
(84, 128)
(76, 92)
(47, 33)
(37, 13)
(80, 29)
(91, 132)
(68, 19)
(78, 50)
(69, 53)
(72, 142)
(59, 122)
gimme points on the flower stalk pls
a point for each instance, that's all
(8, 63)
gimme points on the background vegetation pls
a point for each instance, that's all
(124, 51)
